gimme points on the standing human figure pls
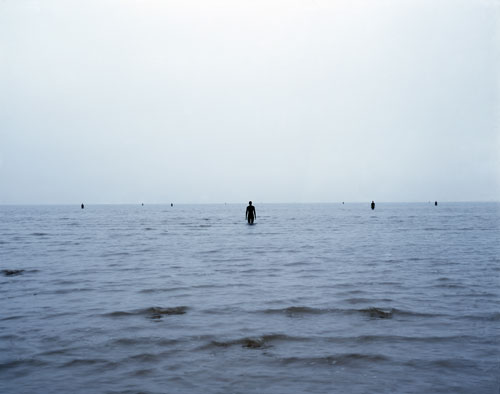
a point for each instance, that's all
(250, 214)
(373, 204)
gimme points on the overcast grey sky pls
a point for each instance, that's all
(121, 101)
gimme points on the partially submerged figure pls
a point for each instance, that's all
(250, 213)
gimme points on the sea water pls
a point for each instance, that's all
(313, 298)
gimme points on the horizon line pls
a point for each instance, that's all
(244, 203)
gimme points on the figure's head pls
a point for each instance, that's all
(249, 202)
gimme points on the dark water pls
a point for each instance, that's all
(312, 299)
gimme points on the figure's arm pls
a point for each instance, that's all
(246, 214)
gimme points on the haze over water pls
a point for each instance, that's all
(200, 101)
(317, 298)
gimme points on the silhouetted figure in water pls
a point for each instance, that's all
(436, 203)
(250, 214)
(171, 204)
(83, 206)
(373, 204)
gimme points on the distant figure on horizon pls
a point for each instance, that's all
(373, 204)
(435, 203)
(250, 214)
(171, 204)
(83, 206)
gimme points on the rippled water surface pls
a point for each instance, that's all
(320, 298)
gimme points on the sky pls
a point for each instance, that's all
(208, 101)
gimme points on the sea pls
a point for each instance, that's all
(312, 298)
